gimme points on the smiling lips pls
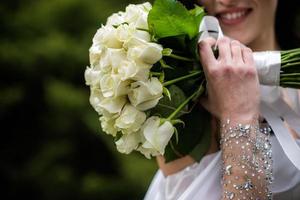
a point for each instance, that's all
(233, 16)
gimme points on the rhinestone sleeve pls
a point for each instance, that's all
(247, 161)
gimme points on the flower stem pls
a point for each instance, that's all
(287, 52)
(199, 91)
(289, 60)
(181, 78)
(142, 29)
(290, 68)
(168, 52)
(164, 65)
(290, 64)
(156, 73)
(285, 79)
(290, 75)
(181, 58)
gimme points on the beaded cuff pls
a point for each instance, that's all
(247, 161)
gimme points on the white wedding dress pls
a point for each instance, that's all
(203, 180)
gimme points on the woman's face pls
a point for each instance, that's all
(244, 20)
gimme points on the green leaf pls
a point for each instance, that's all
(165, 107)
(169, 18)
(167, 93)
(198, 13)
(194, 137)
(203, 144)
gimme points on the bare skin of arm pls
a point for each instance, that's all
(181, 163)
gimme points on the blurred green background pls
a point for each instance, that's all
(51, 145)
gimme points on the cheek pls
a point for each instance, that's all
(264, 19)
(259, 24)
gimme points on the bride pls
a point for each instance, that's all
(238, 164)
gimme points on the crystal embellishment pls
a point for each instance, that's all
(228, 169)
(249, 149)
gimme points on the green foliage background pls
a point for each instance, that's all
(51, 145)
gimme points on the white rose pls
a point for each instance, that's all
(108, 124)
(107, 37)
(142, 21)
(144, 51)
(130, 119)
(138, 14)
(157, 135)
(112, 86)
(96, 52)
(95, 99)
(145, 95)
(149, 53)
(113, 105)
(116, 19)
(115, 61)
(143, 35)
(102, 104)
(112, 58)
(147, 150)
(146, 6)
(135, 71)
(127, 143)
(91, 76)
(125, 32)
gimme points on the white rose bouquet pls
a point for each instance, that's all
(145, 78)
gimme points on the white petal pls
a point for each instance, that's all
(127, 143)
(165, 132)
(113, 105)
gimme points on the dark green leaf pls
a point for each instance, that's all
(166, 107)
(194, 137)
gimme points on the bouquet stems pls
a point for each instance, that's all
(290, 68)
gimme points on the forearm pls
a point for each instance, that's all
(247, 163)
(233, 90)
(174, 166)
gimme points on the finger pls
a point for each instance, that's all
(224, 49)
(248, 56)
(211, 41)
(206, 54)
(236, 51)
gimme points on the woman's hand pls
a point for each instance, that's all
(233, 92)
(232, 81)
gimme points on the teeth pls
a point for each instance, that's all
(232, 16)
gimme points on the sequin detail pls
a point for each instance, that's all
(247, 161)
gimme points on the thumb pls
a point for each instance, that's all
(206, 54)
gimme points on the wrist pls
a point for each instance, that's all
(242, 118)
